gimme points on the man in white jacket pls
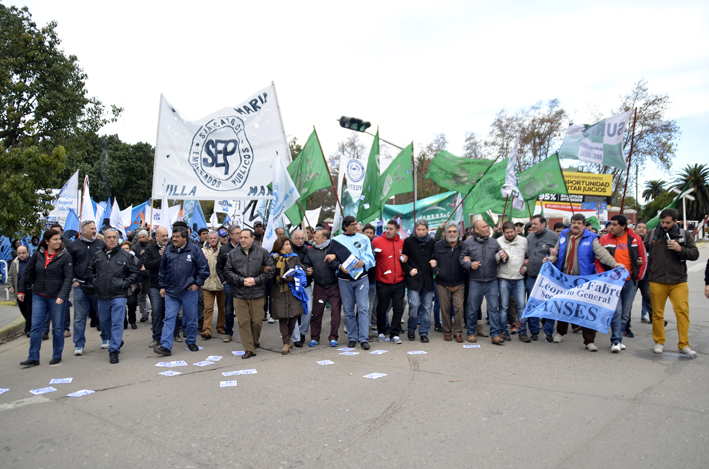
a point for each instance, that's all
(510, 274)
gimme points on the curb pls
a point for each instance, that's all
(15, 327)
(8, 303)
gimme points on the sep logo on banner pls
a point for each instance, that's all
(585, 300)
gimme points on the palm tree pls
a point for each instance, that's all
(654, 189)
(697, 176)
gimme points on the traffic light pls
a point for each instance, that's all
(355, 124)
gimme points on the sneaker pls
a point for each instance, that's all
(351, 343)
(592, 347)
(29, 363)
(523, 337)
(615, 348)
(556, 337)
(271, 320)
(645, 319)
(628, 333)
(227, 338)
(178, 338)
(685, 351)
(411, 335)
(154, 344)
(160, 350)
(313, 343)
(506, 336)
(438, 328)
(396, 340)
(113, 358)
(658, 348)
(333, 343)
(143, 319)
(424, 339)
(380, 338)
(622, 347)
(80, 351)
(133, 325)
(365, 345)
(549, 339)
(105, 344)
(55, 361)
(534, 337)
(514, 329)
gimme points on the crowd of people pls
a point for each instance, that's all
(439, 275)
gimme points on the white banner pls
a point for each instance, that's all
(67, 199)
(228, 154)
(285, 194)
(312, 216)
(127, 216)
(174, 216)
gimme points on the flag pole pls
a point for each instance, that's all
(304, 214)
(630, 155)
(413, 164)
(505, 209)
(334, 188)
(529, 209)
(471, 189)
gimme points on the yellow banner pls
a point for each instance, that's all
(589, 184)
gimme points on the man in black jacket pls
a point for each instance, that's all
(450, 282)
(139, 249)
(111, 273)
(234, 240)
(248, 268)
(419, 278)
(325, 288)
(82, 252)
(301, 249)
(153, 256)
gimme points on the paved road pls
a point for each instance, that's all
(521, 405)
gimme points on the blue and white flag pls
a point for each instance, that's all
(285, 194)
(585, 300)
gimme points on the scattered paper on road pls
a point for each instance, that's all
(417, 352)
(83, 392)
(240, 372)
(374, 375)
(179, 363)
(378, 352)
(227, 384)
(345, 349)
(37, 392)
(204, 363)
(238, 352)
(169, 373)
(471, 346)
(61, 381)
(165, 364)
(349, 353)
(214, 358)
(3, 391)
(325, 362)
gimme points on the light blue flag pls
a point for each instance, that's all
(139, 212)
(585, 300)
(71, 227)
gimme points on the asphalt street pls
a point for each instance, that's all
(518, 405)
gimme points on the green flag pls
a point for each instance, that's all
(595, 223)
(398, 178)
(487, 194)
(309, 173)
(655, 222)
(600, 143)
(455, 173)
(544, 177)
(370, 208)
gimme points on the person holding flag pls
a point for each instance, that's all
(353, 257)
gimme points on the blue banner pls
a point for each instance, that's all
(585, 300)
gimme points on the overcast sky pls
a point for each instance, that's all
(414, 68)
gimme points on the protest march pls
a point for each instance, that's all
(478, 261)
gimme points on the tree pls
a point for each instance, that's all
(295, 148)
(473, 147)
(503, 131)
(651, 209)
(423, 157)
(654, 189)
(541, 130)
(697, 176)
(27, 176)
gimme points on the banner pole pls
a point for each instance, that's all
(334, 188)
(571, 206)
(413, 164)
(304, 214)
(155, 157)
(630, 155)
(280, 119)
(504, 210)
(471, 189)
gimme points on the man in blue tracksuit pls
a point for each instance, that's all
(183, 269)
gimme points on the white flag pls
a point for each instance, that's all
(116, 221)
(213, 220)
(164, 213)
(510, 186)
(311, 216)
(225, 155)
(66, 199)
(127, 216)
(285, 194)
(87, 209)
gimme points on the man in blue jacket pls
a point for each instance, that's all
(183, 269)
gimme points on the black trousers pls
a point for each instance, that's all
(26, 311)
(387, 292)
(132, 303)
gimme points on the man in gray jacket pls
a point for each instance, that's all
(510, 275)
(540, 242)
(248, 268)
(479, 257)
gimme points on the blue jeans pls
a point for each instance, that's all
(436, 306)
(188, 301)
(111, 314)
(622, 311)
(351, 292)
(534, 325)
(418, 299)
(82, 305)
(43, 306)
(228, 310)
(157, 305)
(300, 332)
(491, 291)
(515, 288)
(67, 319)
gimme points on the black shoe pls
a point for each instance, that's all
(298, 343)
(55, 361)
(133, 325)
(162, 351)
(424, 339)
(506, 336)
(535, 337)
(113, 357)
(524, 338)
(125, 326)
(351, 343)
(98, 328)
(143, 319)
(121, 346)
(438, 328)
(549, 339)
(365, 345)
(29, 363)
(248, 355)
(46, 336)
(193, 347)
(628, 333)
(411, 335)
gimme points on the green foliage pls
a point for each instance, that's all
(649, 211)
(27, 176)
(698, 174)
(654, 189)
